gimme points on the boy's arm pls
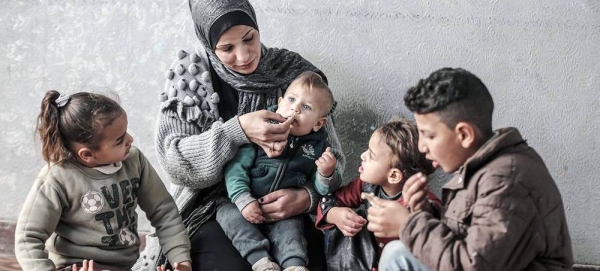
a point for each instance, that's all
(237, 179)
(499, 222)
(37, 221)
(346, 196)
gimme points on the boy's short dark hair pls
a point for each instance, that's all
(455, 95)
(311, 80)
(402, 136)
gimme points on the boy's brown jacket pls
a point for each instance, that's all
(502, 211)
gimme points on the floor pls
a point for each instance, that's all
(8, 263)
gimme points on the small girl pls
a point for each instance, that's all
(392, 157)
(82, 203)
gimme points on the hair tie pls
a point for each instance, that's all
(62, 100)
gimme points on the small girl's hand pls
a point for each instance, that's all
(253, 213)
(346, 220)
(85, 266)
(326, 163)
(180, 266)
(183, 266)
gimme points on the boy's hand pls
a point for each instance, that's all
(326, 163)
(253, 213)
(386, 217)
(181, 266)
(415, 192)
(346, 220)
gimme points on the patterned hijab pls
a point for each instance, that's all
(276, 69)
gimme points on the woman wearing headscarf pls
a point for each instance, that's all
(214, 101)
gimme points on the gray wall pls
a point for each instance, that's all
(539, 58)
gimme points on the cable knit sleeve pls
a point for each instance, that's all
(192, 140)
(336, 146)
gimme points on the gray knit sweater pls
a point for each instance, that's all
(194, 143)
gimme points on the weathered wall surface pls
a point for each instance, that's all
(540, 60)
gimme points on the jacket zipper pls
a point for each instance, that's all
(283, 166)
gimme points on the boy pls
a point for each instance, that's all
(392, 156)
(502, 209)
(251, 175)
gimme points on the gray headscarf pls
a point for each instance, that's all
(277, 68)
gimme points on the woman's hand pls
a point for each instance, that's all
(346, 220)
(386, 217)
(284, 203)
(271, 137)
(415, 192)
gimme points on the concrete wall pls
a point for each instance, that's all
(540, 59)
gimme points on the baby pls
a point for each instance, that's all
(306, 160)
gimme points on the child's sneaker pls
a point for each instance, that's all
(265, 264)
(296, 268)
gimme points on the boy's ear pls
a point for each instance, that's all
(395, 176)
(466, 134)
(320, 123)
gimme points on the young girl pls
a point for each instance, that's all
(391, 158)
(82, 204)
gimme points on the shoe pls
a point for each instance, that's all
(265, 264)
(151, 257)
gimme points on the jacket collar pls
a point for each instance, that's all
(502, 140)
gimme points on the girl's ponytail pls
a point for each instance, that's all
(54, 148)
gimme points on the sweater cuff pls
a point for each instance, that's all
(233, 130)
(327, 203)
(243, 199)
(314, 199)
(325, 185)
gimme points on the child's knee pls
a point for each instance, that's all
(393, 252)
(395, 247)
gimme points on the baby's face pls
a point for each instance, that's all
(306, 107)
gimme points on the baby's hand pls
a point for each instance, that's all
(326, 163)
(252, 213)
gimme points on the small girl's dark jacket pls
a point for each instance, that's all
(349, 196)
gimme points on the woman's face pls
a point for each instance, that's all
(239, 49)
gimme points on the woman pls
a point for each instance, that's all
(213, 103)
